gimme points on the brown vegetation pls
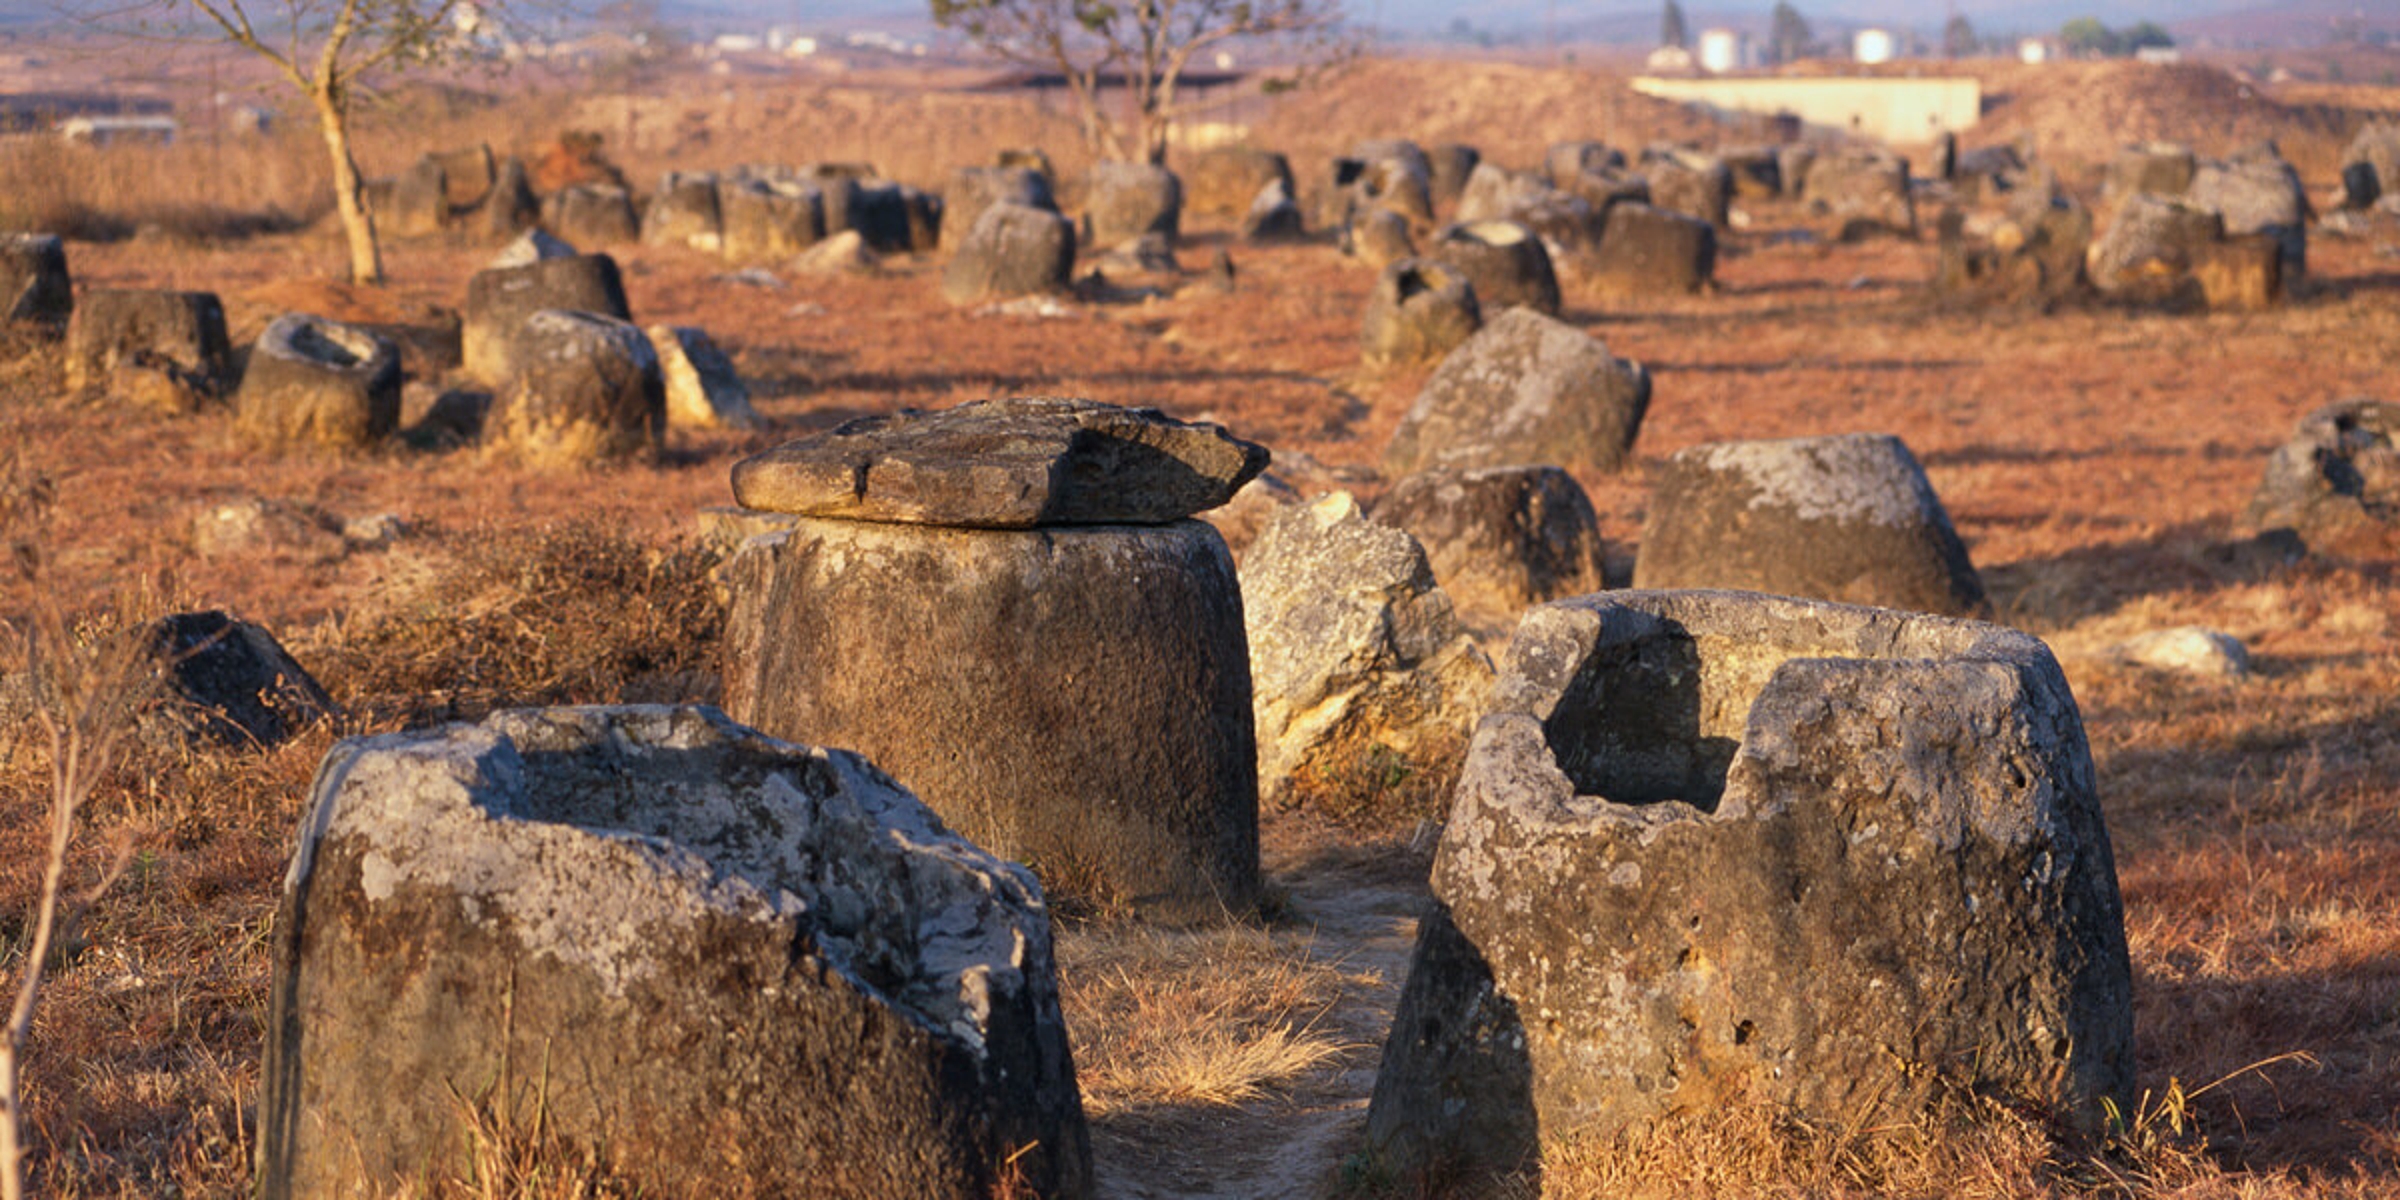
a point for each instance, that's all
(2094, 460)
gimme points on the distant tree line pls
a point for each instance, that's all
(2087, 37)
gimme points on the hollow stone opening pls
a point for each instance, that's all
(331, 346)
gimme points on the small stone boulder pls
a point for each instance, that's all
(419, 203)
(2186, 650)
(974, 189)
(766, 220)
(1648, 251)
(320, 383)
(1223, 181)
(1359, 668)
(499, 299)
(684, 212)
(1868, 188)
(1715, 850)
(34, 286)
(2261, 196)
(592, 214)
(1419, 311)
(840, 253)
(2148, 250)
(230, 683)
(2336, 483)
(1849, 518)
(1273, 217)
(586, 388)
(491, 922)
(1500, 539)
(2151, 168)
(1124, 200)
(1004, 464)
(510, 207)
(1504, 261)
(1526, 390)
(118, 335)
(1699, 186)
(2370, 165)
(1378, 237)
(1452, 163)
(1563, 162)
(1014, 250)
(703, 391)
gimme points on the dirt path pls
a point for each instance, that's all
(1361, 904)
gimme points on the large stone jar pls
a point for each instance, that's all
(1720, 848)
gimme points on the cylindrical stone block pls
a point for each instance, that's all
(1073, 697)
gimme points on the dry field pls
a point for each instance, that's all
(2096, 462)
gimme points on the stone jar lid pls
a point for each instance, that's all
(1005, 464)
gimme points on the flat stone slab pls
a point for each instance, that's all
(1005, 464)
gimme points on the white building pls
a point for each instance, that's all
(1872, 46)
(2033, 52)
(1723, 50)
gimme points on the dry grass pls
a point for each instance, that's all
(1209, 1017)
(2095, 461)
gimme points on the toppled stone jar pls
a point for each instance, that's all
(712, 963)
(1717, 848)
(1007, 605)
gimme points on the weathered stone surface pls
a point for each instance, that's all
(1500, 539)
(316, 382)
(1032, 158)
(1396, 181)
(1849, 518)
(468, 175)
(1648, 251)
(2149, 247)
(510, 207)
(419, 201)
(260, 525)
(1713, 849)
(1564, 161)
(1602, 191)
(586, 388)
(1273, 216)
(1757, 171)
(1356, 658)
(1696, 185)
(1792, 162)
(684, 212)
(2033, 257)
(1452, 164)
(530, 247)
(1866, 187)
(1495, 193)
(592, 215)
(34, 285)
(1125, 200)
(2186, 650)
(1222, 181)
(1419, 311)
(2257, 195)
(499, 299)
(1005, 464)
(2243, 274)
(1504, 261)
(1014, 250)
(231, 683)
(177, 335)
(1527, 390)
(1239, 520)
(515, 914)
(840, 253)
(1073, 697)
(974, 189)
(768, 220)
(2336, 483)
(702, 389)
(2370, 165)
(1378, 237)
(2154, 168)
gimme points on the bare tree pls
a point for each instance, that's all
(1146, 45)
(323, 48)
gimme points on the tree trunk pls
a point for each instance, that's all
(358, 224)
